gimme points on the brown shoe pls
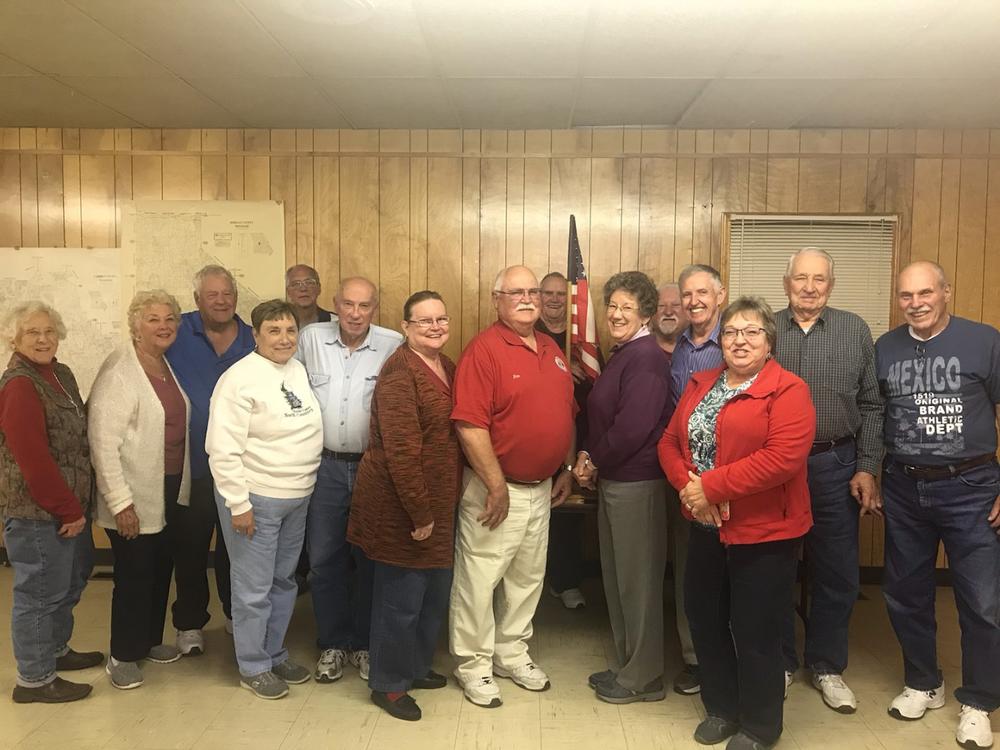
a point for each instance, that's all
(73, 660)
(57, 691)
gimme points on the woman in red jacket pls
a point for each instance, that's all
(736, 450)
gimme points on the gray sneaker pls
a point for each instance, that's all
(164, 653)
(290, 672)
(125, 675)
(265, 685)
(330, 666)
(360, 660)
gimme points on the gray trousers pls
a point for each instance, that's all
(631, 520)
(680, 530)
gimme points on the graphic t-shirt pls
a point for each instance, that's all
(940, 394)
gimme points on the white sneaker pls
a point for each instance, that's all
(190, 642)
(330, 666)
(482, 691)
(789, 679)
(974, 729)
(529, 676)
(835, 692)
(913, 704)
(360, 660)
(571, 598)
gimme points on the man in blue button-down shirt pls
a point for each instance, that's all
(209, 341)
(343, 360)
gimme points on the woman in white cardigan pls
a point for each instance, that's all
(138, 423)
(265, 437)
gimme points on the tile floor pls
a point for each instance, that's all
(195, 703)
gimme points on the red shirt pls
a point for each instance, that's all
(174, 422)
(522, 397)
(763, 438)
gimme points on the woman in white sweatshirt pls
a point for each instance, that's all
(265, 437)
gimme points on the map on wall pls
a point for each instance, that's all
(169, 241)
(84, 285)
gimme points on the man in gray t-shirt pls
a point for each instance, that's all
(940, 379)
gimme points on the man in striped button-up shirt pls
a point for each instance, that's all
(832, 351)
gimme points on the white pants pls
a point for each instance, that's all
(498, 577)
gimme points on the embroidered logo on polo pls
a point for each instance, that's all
(561, 365)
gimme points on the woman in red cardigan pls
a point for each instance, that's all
(403, 507)
(736, 450)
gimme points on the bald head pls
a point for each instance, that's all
(923, 294)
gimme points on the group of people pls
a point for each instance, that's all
(421, 490)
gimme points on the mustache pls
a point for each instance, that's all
(528, 307)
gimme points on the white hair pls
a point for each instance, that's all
(145, 299)
(695, 268)
(817, 251)
(212, 270)
(13, 321)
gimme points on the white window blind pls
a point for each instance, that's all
(861, 247)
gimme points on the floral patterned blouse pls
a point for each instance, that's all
(701, 425)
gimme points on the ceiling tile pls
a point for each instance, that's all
(511, 39)
(643, 101)
(389, 43)
(162, 102)
(195, 38)
(274, 102)
(755, 103)
(52, 37)
(392, 102)
(513, 102)
(37, 101)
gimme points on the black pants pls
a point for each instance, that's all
(736, 598)
(142, 586)
(191, 530)
(564, 568)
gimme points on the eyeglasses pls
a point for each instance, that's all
(303, 284)
(442, 322)
(521, 293)
(750, 333)
(623, 309)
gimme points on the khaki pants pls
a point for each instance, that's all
(498, 577)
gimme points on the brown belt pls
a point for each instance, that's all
(828, 445)
(523, 483)
(933, 473)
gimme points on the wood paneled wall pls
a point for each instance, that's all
(447, 209)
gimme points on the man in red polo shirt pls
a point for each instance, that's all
(513, 413)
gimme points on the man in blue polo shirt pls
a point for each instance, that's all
(209, 341)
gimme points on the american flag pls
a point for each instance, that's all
(583, 330)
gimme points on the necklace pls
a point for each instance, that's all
(71, 399)
(158, 361)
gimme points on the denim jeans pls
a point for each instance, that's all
(340, 576)
(50, 573)
(262, 571)
(832, 558)
(919, 514)
(409, 607)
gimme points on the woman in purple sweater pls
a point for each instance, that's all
(628, 410)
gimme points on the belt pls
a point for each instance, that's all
(523, 483)
(932, 473)
(351, 458)
(829, 445)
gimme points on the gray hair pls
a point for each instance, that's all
(145, 299)
(755, 306)
(668, 285)
(352, 279)
(313, 273)
(817, 251)
(213, 270)
(691, 270)
(13, 321)
(498, 281)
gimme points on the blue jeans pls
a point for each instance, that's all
(831, 547)
(919, 514)
(410, 606)
(341, 592)
(50, 573)
(262, 569)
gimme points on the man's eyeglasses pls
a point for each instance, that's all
(442, 322)
(303, 284)
(521, 293)
(750, 333)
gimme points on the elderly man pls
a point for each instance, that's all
(832, 351)
(696, 348)
(940, 377)
(343, 360)
(302, 289)
(209, 341)
(670, 319)
(514, 414)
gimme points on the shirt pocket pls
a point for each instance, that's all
(320, 384)
(369, 391)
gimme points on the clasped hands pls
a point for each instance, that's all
(693, 498)
(584, 472)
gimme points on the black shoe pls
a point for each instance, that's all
(688, 680)
(741, 741)
(57, 691)
(430, 681)
(599, 678)
(404, 707)
(714, 730)
(615, 692)
(73, 660)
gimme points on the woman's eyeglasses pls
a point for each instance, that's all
(750, 333)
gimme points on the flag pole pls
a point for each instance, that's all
(569, 291)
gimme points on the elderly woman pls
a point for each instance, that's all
(403, 507)
(627, 410)
(736, 451)
(45, 497)
(138, 428)
(265, 437)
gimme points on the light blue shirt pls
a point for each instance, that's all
(344, 381)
